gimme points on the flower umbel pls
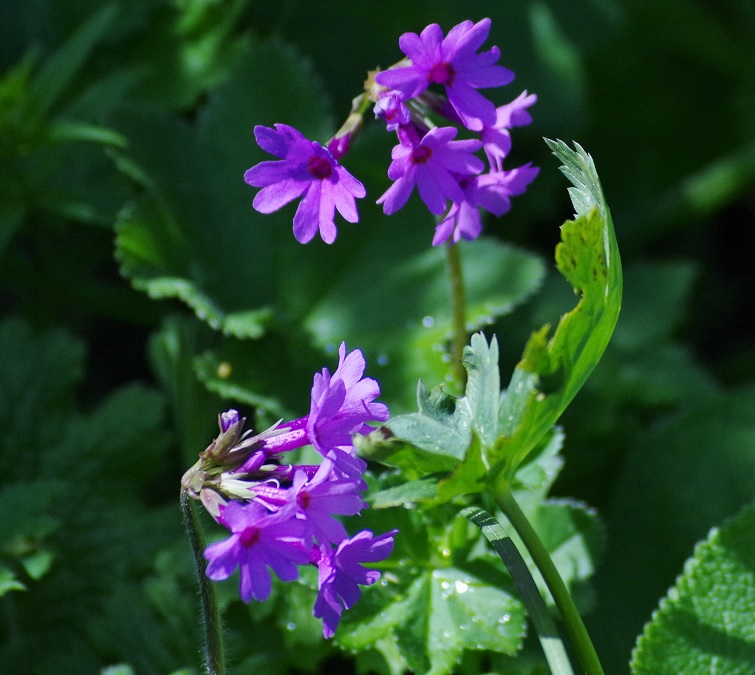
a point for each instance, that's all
(306, 169)
(283, 515)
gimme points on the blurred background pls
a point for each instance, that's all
(141, 294)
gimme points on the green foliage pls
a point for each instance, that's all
(134, 120)
(705, 621)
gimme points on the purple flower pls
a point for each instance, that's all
(305, 169)
(317, 500)
(391, 108)
(433, 165)
(496, 138)
(453, 62)
(493, 192)
(342, 405)
(259, 540)
(339, 574)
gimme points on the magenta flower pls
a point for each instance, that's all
(391, 108)
(453, 62)
(340, 574)
(306, 169)
(432, 165)
(342, 405)
(493, 192)
(259, 539)
(319, 499)
(496, 138)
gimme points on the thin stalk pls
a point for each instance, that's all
(573, 623)
(458, 314)
(214, 659)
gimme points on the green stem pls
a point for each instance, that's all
(573, 623)
(458, 314)
(211, 621)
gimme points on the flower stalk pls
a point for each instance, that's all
(214, 653)
(573, 623)
(458, 314)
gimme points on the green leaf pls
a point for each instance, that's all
(553, 369)
(704, 624)
(437, 436)
(438, 615)
(194, 235)
(483, 391)
(8, 581)
(58, 71)
(411, 334)
(682, 477)
(408, 492)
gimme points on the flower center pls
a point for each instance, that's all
(302, 499)
(320, 168)
(421, 154)
(442, 73)
(250, 536)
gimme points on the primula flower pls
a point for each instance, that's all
(342, 404)
(391, 108)
(319, 499)
(493, 192)
(305, 169)
(433, 165)
(340, 574)
(453, 62)
(496, 138)
(259, 539)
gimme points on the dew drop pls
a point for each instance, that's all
(382, 360)
(290, 626)
(505, 618)
(461, 586)
(428, 322)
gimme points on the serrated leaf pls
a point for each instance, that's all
(442, 428)
(704, 624)
(194, 236)
(411, 334)
(698, 461)
(439, 615)
(554, 369)
(483, 389)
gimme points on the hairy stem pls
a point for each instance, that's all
(573, 623)
(211, 621)
(458, 314)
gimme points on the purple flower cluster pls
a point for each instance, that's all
(448, 175)
(444, 169)
(280, 515)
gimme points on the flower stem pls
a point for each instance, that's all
(573, 623)
(458, 314)
(211, 622)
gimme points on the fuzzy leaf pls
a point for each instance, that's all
(704, 624)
